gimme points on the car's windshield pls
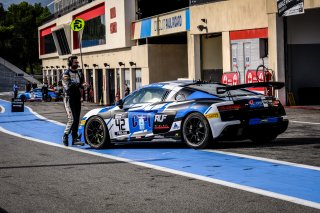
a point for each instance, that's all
(212, 89)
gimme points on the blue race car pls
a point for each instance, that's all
(36, 95)
(197, 113)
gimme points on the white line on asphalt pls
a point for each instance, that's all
(186, 174)
(36, 114)
(302, 122)
(265, 159)
(44, 118)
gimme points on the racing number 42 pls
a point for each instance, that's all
(121, 124)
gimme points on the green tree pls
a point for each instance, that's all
(19, 34)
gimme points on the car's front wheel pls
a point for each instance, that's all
(196, 131)
(96, 133)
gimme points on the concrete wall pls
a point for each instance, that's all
(211, 52)
(229, 15)
(167, 62)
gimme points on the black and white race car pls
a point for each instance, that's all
(196, 113)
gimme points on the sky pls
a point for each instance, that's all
(7, 3)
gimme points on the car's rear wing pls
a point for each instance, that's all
(275, 85)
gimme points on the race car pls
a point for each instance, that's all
(197, 113)
(36, 95)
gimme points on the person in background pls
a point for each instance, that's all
(72, 81)
(28, 86)
(127, 90)
(15, 89)
(34, 85)
(44, 91)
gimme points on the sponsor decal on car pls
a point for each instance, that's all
(121, 133)
(176, 126)
(253, 104)
(158, 127)
(82, 122)
(212, 115)
(142, 121)
(162, 122)
(159, 118)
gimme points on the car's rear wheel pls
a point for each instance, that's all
(196, 131)
(96, 133)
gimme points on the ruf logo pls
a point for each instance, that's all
(77, 24)
(159, 118)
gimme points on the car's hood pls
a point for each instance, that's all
(97, 111)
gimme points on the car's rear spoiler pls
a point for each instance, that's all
(275, 85)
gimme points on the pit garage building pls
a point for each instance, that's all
(137, 42)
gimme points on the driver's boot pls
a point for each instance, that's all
(65, 139)
(77, 142)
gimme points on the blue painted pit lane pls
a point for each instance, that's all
(293, 181)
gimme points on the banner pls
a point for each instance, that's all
(290, 7)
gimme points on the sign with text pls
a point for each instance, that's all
(17, 105)
(169, 23)
(290, 7)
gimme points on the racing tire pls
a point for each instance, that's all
(96, 133)
(263, 137)
(23, 98)
(196, 131)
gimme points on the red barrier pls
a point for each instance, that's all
(251, 77)
(230, 78)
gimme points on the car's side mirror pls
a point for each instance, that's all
(221, 90)
(120, 103)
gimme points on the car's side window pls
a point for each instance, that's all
(146, 95)
(133, 98)
(153, 95)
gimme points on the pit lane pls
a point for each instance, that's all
(221, 168)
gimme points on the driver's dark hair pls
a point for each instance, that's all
(70, 60)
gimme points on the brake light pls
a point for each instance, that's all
(229, 107)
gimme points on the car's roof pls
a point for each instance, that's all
(175, 83)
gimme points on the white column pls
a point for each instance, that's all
(276, 52)
(122, 83)
(226, 55)
(95, 86)
(132, 79)
(194, 59)
(105, 81)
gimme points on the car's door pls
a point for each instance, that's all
(141, 109)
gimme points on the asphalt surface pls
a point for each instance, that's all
(36, 177)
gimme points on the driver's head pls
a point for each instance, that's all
(73, 62)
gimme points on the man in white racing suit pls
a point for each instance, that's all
(72, 80)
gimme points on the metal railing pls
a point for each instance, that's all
(66, 9)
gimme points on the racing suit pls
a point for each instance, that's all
(72, 82)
